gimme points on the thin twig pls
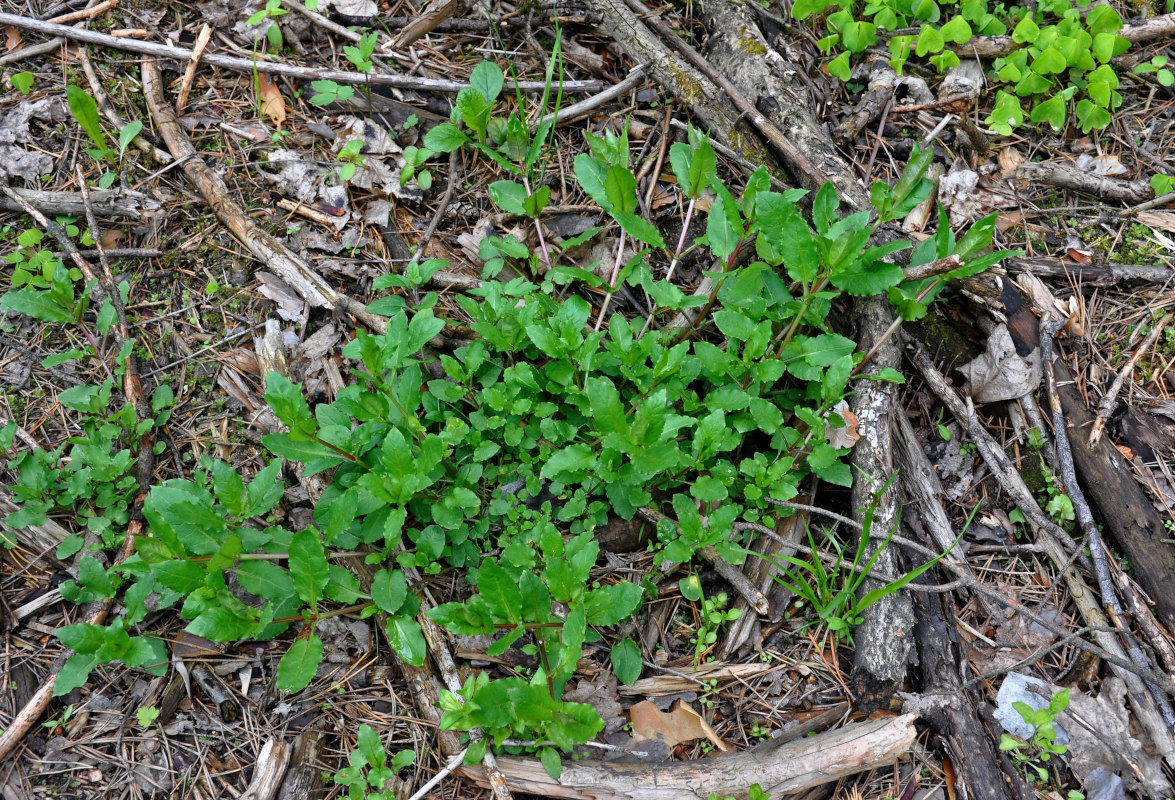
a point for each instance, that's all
(1107, 404)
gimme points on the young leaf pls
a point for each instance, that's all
(500, 592)
(308, 567)
(626, 661)
(85, 111)
(298, 665)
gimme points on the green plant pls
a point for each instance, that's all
(1063, 58)
(59, 721)
(833, 591)
(369, 771)
(755, 792)
(1043, 744)
(1158, 66)
(22, 81)
(714, 613)
(85, 110)
(414, 160)
(273, 34)
(350, 159)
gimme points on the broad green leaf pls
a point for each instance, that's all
(389, 589)
(590, 175)
(626, 661)
(445, 138)
(509, 196)
(298, 665)
(638, 228)
(406, 639)
(620, 189)
(487, 79)
(308, 567)
(265, 579)
(957, 31)
(929, 41)
(36, 304)
(500, 592)
(128, 134)
(612, 604)
(74, 674)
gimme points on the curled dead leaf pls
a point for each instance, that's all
(1009, 158)
(680, 724)
(273, 105)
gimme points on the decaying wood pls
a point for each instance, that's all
(108, 203)
(741, 54)
(778, 769)
(38, 538)
(971, 747)
(1050, 538)
(1066, 177)
(884, 643)
(712, 107)
(268, 771)
(304, 775)
(1091, 274)
(881, 85)
(287, 264)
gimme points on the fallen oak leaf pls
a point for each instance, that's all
(680, 724)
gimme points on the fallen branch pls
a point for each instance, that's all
(778, 769)
(1067, 177)
(249, 66)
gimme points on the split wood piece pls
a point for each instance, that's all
(968, 742)
(883, 639)
(881, 87)
(1050, 538)
(744, 59)
(107, 203)
(304, 775)
(181, 100)
(729, 572)
(1109, 401)
(759, 571)
(1091, 274)
(250, 66)
(1066, 177)
(268, 771)
(778, 768)
(276, 256)
(714, 110)
(922, 497)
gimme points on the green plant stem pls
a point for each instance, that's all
(538, 228)
(612, 281)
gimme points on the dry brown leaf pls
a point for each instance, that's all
(12, 38)
(1009, 158)
(273, 105)
(680, 724)
(1163, 220)
(1104, 165)
(848, 435)
(1008, 220)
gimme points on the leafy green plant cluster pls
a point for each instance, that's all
(537, 428)
(1063, 61)
(835, 592)
(1043, 744)
(369, 770)
(714, 613)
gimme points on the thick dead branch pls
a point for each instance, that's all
(693, 89)
(106, 202)
(1091, 274)
(881, 87)
(779, 769)
(970, 745)
(884, 643)
(1066, 177)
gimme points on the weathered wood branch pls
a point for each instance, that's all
(778, 769)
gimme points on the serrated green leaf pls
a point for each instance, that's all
(308, 567)
(499, 591)
(611, 604)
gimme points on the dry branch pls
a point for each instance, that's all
(249, 66)
(778, 769)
